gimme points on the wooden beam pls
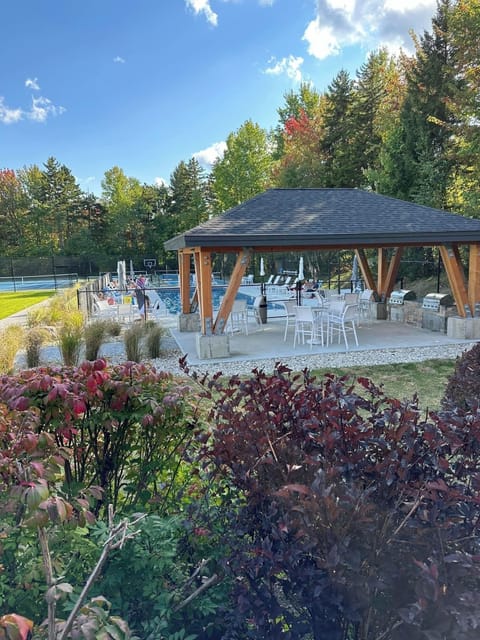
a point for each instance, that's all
(365, 269)
(241, 265)
(392, 273)
(184, 260)
(456, 278)
(474, 279)
(336, 246)
(382, 269)
(203, 274)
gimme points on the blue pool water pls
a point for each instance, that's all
(171, 297)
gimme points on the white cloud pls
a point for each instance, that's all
(119, 60)
(32, 83)
(7, 115)
(207, 157)
(371, 23)
(289, 66)
(161, 182)
(42, 108)
(203, 6)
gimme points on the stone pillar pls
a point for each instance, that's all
(463, 328)
(212, 346)
(188, 322)
(382, 313)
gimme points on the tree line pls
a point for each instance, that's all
(406, 126)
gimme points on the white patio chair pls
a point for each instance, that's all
(238, 319)
(158, 310)
(365, 304)
(308, 324)
(101, 309)
(289, 307)
(254, 312)
(342, 322)
(351, 298)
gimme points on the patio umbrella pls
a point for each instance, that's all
(262, 273)
(132, 270)
(122, 280)
(355, 272)
(300, 278)
(301, 275)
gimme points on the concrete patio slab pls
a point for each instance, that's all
(267, 342)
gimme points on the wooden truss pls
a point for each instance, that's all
(466, 291)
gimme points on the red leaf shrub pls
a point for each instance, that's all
(120, 428)
(358, 521)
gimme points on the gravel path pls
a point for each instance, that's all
(115, 353)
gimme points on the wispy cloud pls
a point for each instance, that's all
(32, 83)
(207, 157)
(42, 108)
(203, 6)
(371, 23)
(119, 60)
(8, 115)
(290, 66)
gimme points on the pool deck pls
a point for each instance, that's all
(266, 341)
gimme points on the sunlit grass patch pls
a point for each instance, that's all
(402, 380)
(12, 302)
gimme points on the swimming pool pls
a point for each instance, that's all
(171, 297)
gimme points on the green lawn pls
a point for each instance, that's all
(428, 379)
(11, 302)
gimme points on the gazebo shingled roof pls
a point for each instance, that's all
(326, 219)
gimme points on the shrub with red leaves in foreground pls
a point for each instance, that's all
(359, 519)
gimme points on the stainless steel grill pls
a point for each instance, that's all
(399, 297)
(433, 301)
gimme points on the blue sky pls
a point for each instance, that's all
(144, 84)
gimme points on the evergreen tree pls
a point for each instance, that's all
(416, 160)
(341, 166)
(464, 186)
(60, 202)
(189, 202)
(377, 96)
(13, 213)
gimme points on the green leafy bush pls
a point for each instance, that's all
(73, 441)
(170, 554)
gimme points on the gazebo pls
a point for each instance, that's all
(324, 219)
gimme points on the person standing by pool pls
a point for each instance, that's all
(140, 295)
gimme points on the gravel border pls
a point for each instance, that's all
(169, 361)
